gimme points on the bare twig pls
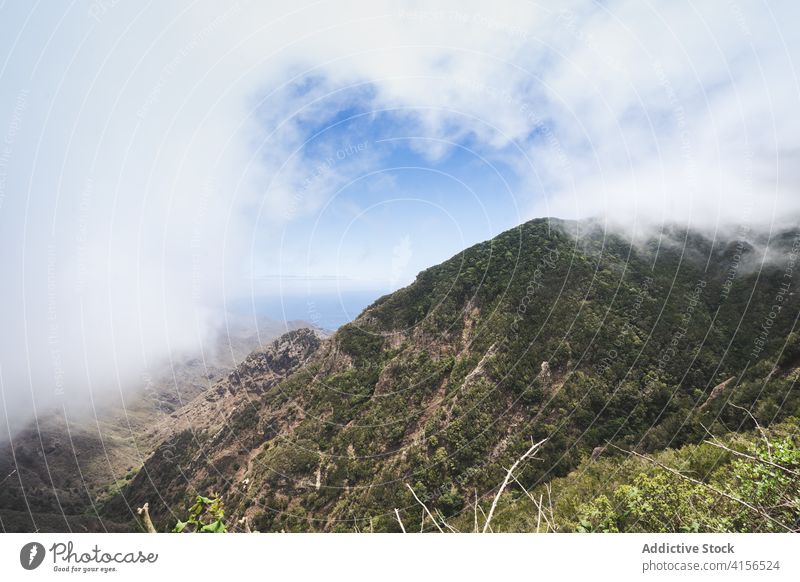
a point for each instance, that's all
(508, 477)
(425, 507)
(538, 503)
(400, 521)
(549, 488)
(483, 513)
(707, 486)
(7, 476)
(521, 486)
(476, 511)
(144, 512)
(444, 522)
(539, 518)
(758, 426)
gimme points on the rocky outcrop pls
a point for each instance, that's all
(196, 439)
(716, 392)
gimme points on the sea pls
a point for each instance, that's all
(328, 311)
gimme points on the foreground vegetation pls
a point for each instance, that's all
(748, 482)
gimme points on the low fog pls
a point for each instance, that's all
(152, 156)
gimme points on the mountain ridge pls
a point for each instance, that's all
(542, 332)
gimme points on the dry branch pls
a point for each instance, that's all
(758, 426)
(144, 512)
(444, 521)
(400, 521)
(476, 511)
(425, 507)
(539, 505)
(483, 513)
(7, 476)
(508, 477)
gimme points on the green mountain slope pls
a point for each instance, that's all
(553, 330)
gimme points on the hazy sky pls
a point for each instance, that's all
(160, 159)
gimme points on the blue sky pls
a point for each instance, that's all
(159, 161)
(388, 222)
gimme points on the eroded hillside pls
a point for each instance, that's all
(552, 330)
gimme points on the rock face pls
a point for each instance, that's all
(440, 386)
(58, 473)
(229, 405)
(282, 357)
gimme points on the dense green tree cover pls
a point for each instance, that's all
(552, 330)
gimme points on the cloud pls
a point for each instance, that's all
(153, 155)
(696, 127)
